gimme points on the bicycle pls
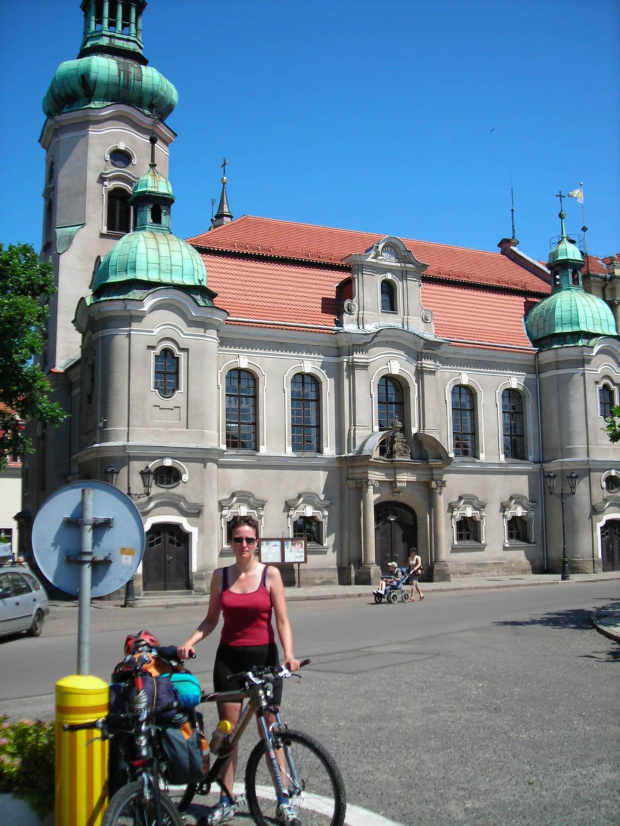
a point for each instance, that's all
(283, 762)
(144, 800)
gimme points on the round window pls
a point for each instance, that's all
(166, 477)
(612, 484)
(120, 158)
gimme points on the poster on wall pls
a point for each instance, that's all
(270, 551)
(295, 550)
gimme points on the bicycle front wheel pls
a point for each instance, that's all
(309, 774)
(129, 808)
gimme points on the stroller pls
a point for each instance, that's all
(395, 588)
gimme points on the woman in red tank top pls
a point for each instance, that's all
(247, 594)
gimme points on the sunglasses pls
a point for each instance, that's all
(249, 540)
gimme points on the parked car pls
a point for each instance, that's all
(23, 601)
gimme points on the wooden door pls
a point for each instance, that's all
(610, 545)
(166, 559)
(396, 530)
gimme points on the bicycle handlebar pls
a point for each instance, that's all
(261, 674)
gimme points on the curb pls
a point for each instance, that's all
(606, 621)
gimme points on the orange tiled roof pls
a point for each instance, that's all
(283, 274)
(307, 242)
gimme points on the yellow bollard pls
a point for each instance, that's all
(81, 789)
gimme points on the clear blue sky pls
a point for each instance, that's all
(405, 117)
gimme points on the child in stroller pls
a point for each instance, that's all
(391, 586)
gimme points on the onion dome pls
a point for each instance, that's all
(151, 256)
(569, 315)
(110, 67)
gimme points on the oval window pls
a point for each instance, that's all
(167, 477)
(119, 158)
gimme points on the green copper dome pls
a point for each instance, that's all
(151, 257)
(153, 183)
(96, 81)
(569, 315)
(110, 67)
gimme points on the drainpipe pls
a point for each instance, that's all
(543, 509)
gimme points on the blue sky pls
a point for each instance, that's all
(407, 117)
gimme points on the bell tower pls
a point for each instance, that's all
(101, 111)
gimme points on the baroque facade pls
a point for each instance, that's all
(367, 393)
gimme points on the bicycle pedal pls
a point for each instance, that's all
(240, 800)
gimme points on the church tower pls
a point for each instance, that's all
(101, 109)
(578, 346)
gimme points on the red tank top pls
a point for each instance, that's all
(247, 617)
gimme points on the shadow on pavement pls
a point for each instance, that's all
(577, 619)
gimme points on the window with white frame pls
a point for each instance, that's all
(512, 424)
(518, 514)
(388, 296)
(463, 421)
(307, 517)
(241, 503)
(606, 400)
(468, 515)
(166, 373)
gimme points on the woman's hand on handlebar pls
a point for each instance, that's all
(292, 664)
(186, 652)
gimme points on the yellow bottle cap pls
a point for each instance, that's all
(224, 726)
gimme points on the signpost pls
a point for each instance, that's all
(88, 540)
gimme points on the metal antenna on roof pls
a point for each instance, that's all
(512, 213)
(212, 208)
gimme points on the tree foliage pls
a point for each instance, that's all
(613, 425)
(26, 285)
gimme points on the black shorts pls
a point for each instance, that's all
(231, 659)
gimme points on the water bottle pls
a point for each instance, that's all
(219, 735)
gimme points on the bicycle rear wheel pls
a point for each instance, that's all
(311, 777)
(129, 808)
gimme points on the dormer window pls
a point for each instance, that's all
(388, 297)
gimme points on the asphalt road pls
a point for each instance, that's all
(492, 708)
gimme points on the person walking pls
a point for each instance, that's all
(247, 594)
(415, 569)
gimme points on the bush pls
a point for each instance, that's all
(27, 762)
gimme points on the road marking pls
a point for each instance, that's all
(356, 815)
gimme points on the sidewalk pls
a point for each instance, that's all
(317, 592)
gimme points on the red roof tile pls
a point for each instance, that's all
(306, 242)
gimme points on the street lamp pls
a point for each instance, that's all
(147, 475)
(551, 479)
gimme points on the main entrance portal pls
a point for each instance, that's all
(396, 531)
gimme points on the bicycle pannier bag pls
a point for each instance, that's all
(183, 753)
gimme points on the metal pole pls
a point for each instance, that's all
(86, 556)
(565, 571)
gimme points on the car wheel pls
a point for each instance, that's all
(37, 624)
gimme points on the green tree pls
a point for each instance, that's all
(613, 425)
(26, 285)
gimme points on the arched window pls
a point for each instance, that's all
(388, 297)
(305, 414)
(166, 373)
(605, 400)
(390, 402)
(240, 410)
(463, 421)
(166, 476)
(156, 214)
(119, 211)
(512, 424)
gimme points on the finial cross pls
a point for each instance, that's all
(223, 165)
(561, 197)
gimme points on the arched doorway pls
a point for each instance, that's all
(166, 559)
(396, 530)
(610, 545)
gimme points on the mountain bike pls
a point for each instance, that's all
(144, 800)
(283, 762)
